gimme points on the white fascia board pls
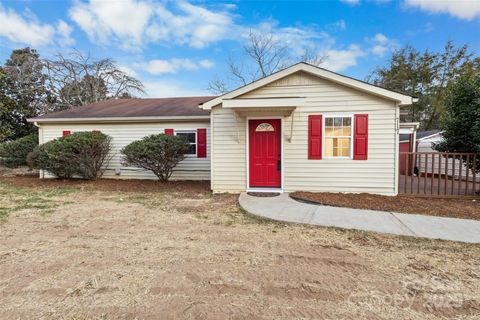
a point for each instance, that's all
(401, 99)
(360, 85)
(406, 131)
(252, 86)
(263, 103)
(119, 119)
(415, 125)
(408, 127)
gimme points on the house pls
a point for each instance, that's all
(423, 139)
(302, 128)
(416, 141)
(452, 166)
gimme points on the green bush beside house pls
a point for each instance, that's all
(159, 153)
(82, 154)
(14, 153)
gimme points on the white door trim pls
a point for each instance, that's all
(247, 153)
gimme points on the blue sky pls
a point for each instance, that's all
(177, 47)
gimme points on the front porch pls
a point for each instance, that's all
(267, 124)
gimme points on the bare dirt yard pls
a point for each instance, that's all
(444, 207)
(146, 250)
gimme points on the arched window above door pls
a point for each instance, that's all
(264, 127)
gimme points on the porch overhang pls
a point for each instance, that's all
(411, 129)
(274, 112)
(408, 127)
(262, 103)
(268, 106)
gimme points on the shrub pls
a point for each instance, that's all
(84, 154)
(14, 153)
(158, 153)
(462, 119)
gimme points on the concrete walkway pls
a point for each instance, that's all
(284, 208)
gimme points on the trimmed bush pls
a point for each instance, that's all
(14, 153)
(158, 153)
(83, 154)
(462, 119)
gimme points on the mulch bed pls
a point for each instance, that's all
(455, 208)
(111, 184)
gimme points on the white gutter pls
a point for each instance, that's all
(119, 119)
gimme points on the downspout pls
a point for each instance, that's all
(40, 141)
(396, 148)
(212, 167)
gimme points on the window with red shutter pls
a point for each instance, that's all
(169, 132)
(201, 143)
(360, 137)
(314, 137)
(66, 132)
(191, 137)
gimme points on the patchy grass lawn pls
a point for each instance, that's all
(101, 250)
(455, 208)
(15, 199)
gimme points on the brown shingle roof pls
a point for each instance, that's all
(130, 108)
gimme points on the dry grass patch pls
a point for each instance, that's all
(187, 254)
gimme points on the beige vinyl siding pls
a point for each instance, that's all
(192, 168)
(375, 175)
(229, 171)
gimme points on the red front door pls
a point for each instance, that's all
(265, 153)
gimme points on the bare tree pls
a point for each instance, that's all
(77, 79)
(262, 55)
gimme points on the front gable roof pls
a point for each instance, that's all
(400, 98)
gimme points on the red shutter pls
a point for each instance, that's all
(314, 137)
(360, 137)
(66, 132)
(201, 143)
(169, 132)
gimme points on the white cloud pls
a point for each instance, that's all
(64, 31)
(24, 29)
(351, 2)
(172, 66)
(101, 20)
(298, 39)
(205, 63)
(341, 24)
(338, 60)
(429, 27)
(381, 44)
(133, 23)
(27, 29)
(463, 9)
(195, 25)
(129, 71)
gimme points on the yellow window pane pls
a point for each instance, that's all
(336, 143)
(346, 131)
(344, 152)
(328, 131)
(344, 142)
(328, 147)
(337, 132)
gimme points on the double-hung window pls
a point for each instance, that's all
(191, 136)
(338, 137)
